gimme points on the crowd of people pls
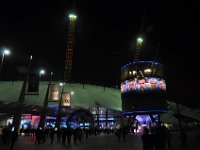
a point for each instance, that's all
(62, 135)
(159, 137)
(155, 138)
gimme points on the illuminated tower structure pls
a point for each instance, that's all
(143, 90)
(68, 63)
(69, 50)
(67, 71)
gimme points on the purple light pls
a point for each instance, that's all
(143, 118)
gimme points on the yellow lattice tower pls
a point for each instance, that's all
(69, 50)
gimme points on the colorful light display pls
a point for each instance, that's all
(143, 88)
(143, 84)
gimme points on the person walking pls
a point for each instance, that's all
(147, 140)
(14, 136)
(52, 132)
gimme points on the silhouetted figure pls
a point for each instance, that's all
(69, 135)
(52, 132)
(86, 133)
(124, 132)
(147, 140)
(4, 135)
(37, 134)
(21, 130)
(79, 134)
(40, 135)
(43, 135)
(183, 136)
(160, 137)
(75, 135)
(118, 134)
(58, 135)
(153, 137)
(14, 136)
(95, 131)
(63, 134)
(168, 138)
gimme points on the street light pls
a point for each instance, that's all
(5, 52)
(139, 40)
(41, 72)
(72, 16)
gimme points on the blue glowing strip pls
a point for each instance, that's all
(144, 111)
(138, 62)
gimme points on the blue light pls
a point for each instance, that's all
(138, 62)
(87, 124)
(144, 111)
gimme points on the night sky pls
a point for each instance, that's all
(105, 35)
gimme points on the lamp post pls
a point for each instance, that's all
(5, 52)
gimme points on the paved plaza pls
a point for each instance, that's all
(102, 142)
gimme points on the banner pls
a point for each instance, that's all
(33, 84)
(53, 92)
(66, 99)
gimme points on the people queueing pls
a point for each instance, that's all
(153, 139)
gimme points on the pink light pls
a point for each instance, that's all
(26, 116)
(35, 121)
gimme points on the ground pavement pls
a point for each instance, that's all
(102, 142)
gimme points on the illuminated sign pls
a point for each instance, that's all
(66, 99)
(143, 89)
(54, 92)
(143, 84)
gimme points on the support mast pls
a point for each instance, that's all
(68, 62)
(69, 50)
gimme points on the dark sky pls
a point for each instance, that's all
(105, 35)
